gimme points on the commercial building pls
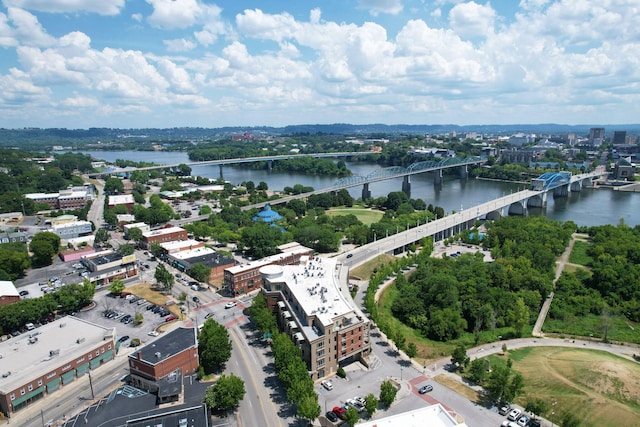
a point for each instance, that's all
(163, 235)
(67, 199)
(13, 237)
(122, 200)
(8, 293)
(72, 230)
(184, 260)
(106, 266)
(158, 367)
(596, 137)
(145, 228)
(433, 416)
(41, 361)
(619, 137)
(194, 416)
(245, 278)
(311, 307)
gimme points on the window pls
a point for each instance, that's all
(39, 383)
(97, 352)
(321, 362)
(30, 387)
(22, 392)
(12, 396)
(109, 347)
(320, 353)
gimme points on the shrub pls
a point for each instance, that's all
(341, 373)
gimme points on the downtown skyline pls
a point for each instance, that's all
(174, 63)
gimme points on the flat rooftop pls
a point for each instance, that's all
(121, 199)
(163, 231)
(432, 416)
(168, 345)
(8, 289)
(29, 356)
(195, 416)
(316, 287)
(178, 245)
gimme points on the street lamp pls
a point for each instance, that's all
(553, 410)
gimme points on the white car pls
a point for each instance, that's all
(514, 414)
(327, 384)
(153, 333)
(230, 304)
(360, 400)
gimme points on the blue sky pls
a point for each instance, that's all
(172, 63)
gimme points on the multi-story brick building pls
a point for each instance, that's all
(67, 199)
(106, 266)
(184, 260)
(40, 362)
(244, 278)
(159, 366)
(312, 304)
(162, 235)
(122, 200)
(8, 293)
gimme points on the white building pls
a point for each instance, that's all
(432, 416)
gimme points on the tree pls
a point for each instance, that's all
(478, 370)
(14, 260)
(411, 350)
(370, 404)
(538, 407)
(225, 394)
(459, 356)
(214, 346)
(307, 407)
(352, 416)
(199, 272)
(44, 246)
(113, 186)
(135, 234)
(138, 318)
(126, 249)
(117, 286)
(164, 277)
(569, 420)
(387, 393)
(101, 236)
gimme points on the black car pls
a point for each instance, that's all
(331, 416)
(151, 306)
(196, 299)
(123, 338)
(24, 293)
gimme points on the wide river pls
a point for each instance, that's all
(588, 207)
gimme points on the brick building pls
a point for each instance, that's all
(49, 357)
(162, 235)
(8, 293)
(312, 309)
(184, 260)
(122, 200)
(245, 278)
(159, 366)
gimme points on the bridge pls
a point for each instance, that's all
(383, 174)
(222, 162)
(557, 183)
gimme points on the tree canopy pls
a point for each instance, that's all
(214, 346)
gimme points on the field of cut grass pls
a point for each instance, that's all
(599, 388)
(366, 216)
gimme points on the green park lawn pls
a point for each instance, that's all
(579, 253)
(365, 215)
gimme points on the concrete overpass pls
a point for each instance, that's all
(442, 228)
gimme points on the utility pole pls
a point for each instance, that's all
(93, 396)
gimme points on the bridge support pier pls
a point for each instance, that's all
(562, 191)
(437, 176)
(220, 168)
(464, 172)
(269, 165)
(538, 201)
(366, 193)
(406, 185)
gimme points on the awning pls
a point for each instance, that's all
(107, 355)
(292, 325)
(53, 385)
(286, 314)
(82, 369)
(281, 304)
(19, 400)
(67, 377)
(298, 336)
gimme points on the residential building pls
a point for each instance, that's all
(13, 237)
(40, 362)
(159, 366)
(312, 304)
(8, 293)
(163, 235)
(244, 278)
(596, 136)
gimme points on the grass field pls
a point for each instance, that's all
(364, 271)
(579, 253)
(366, 216)
(599, 388)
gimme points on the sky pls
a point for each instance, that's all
(204, 63)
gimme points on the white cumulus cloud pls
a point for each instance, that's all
(179, 45)
(472, 19)
(102, 7)
(376, 7)
(171, 14)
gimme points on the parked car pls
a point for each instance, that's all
(230, 304)
(523, 421)
(425, 389)
(339, 411)
(360, 400)
(170, 319)
(514, 414)
(353, 404)
(504, 409)
(153, 333)
(327, 384)
(23, 293)
(331, 416)
(126, 319)
(196, 299)
(123, 338)
(508, 424)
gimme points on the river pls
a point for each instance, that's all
(588, 207)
